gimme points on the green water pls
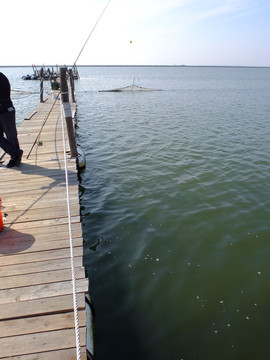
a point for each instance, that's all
(175, 211)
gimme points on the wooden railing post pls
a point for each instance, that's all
(67, 111)
(41, 85)
(71, 79)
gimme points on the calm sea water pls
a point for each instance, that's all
(175, 206)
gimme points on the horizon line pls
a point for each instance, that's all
(183, 65)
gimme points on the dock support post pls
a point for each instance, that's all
(71, 79)
(67, 110)
(41, 85)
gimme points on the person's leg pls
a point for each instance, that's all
(9, 128)
(10, 144)
(6, 145)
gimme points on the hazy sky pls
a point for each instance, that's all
(140, 32)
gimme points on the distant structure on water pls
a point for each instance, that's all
(46, 73)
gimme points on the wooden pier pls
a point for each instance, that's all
(36, 297)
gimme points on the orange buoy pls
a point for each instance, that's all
(1, 219)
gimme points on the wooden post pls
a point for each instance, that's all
(67, 111)
(71, 79)
(41, 85)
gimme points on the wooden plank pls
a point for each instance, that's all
(53, 276)
(37, 324)
(44, 213)
(36, 160)
(42, 256)
(45, 233)
(39, 266)
(69, 354)
(41, 201)
(46, 184)
(31, 168)
(35, 343)
(14, 245)
(43, 223)
(34, 195)
(41, 175)
(33, 192)
(38, 307)
(42, 291)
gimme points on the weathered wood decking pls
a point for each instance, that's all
(36, 304)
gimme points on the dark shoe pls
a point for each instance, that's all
(11, 163)
(16, 161)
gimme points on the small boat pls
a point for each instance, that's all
(26, 77)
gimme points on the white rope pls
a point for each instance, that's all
(78, 346)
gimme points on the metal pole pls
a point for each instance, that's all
(67, 111)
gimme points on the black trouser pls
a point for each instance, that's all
(10, 144)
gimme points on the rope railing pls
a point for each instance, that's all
(76, 319)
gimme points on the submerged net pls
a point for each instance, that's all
(132, 87)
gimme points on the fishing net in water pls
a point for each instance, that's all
(20, 94)
(132, 87)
